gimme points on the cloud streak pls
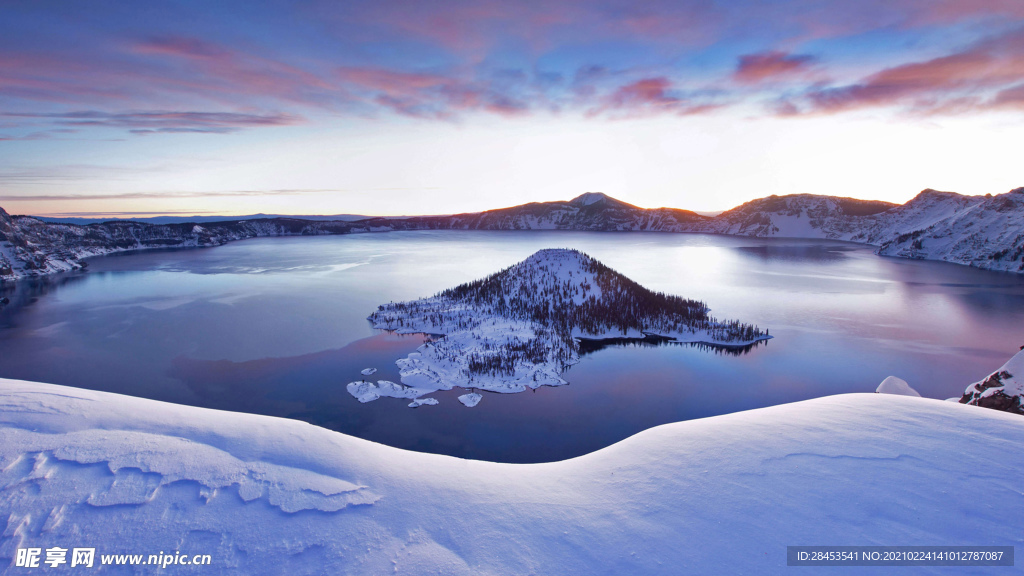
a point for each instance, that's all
(158, 195)
(651, 96)
(772, 65)
(163, 121)
(192, 194)
(985, 76)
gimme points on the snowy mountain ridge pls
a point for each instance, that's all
(981, 231)
(517, 329)
(264, 495)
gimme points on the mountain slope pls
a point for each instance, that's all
(798, 216)
(592, 211)
(981, 231)
(266, 495)
(33, 247)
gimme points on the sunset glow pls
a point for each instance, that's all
(403, 107)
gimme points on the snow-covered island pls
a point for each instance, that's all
(518, 329)
(721, 495)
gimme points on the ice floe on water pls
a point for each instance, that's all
(368, 371)
(470, 400)
(368, 391)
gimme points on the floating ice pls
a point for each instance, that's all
(470, 400)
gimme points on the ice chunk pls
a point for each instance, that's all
(363, 391)
(470, 400)
(368, 371)
(423, 402)
(368, 391)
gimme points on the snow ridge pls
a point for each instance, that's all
(676, 495)
(517, 329)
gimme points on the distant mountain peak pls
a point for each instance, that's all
(588, 198)
(935, 193)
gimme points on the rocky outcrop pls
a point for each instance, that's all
(1002, 389)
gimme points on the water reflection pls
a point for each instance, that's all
(278, 326)
(27, 292)
(592, 345)
(806, 253)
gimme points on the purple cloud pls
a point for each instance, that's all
(611, 58)
(773, 65)
(959, 82)
(650, 96)
(164, 121)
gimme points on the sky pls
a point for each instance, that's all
(390, 107)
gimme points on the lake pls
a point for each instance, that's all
(278, 326)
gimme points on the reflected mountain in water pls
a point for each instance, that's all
(809, 253)
(591, 345)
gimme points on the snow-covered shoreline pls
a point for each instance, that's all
(721, 495)
(980, 231)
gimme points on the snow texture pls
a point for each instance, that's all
(515, 330)
(470, 400)
(368, 371)
(894, 385)
(368, 391)
(721, 495)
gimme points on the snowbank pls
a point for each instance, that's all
(721, 495)
(898, 386)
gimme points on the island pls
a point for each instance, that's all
(519, 328)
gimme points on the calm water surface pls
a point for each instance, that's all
(277, 326)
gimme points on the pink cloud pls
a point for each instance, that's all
(426, 94)
(958, 82)
(649, 96)
(1010, 98)
(764, 66)
(233, 71)
(165, 72)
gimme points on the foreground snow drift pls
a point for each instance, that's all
(722, 495)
